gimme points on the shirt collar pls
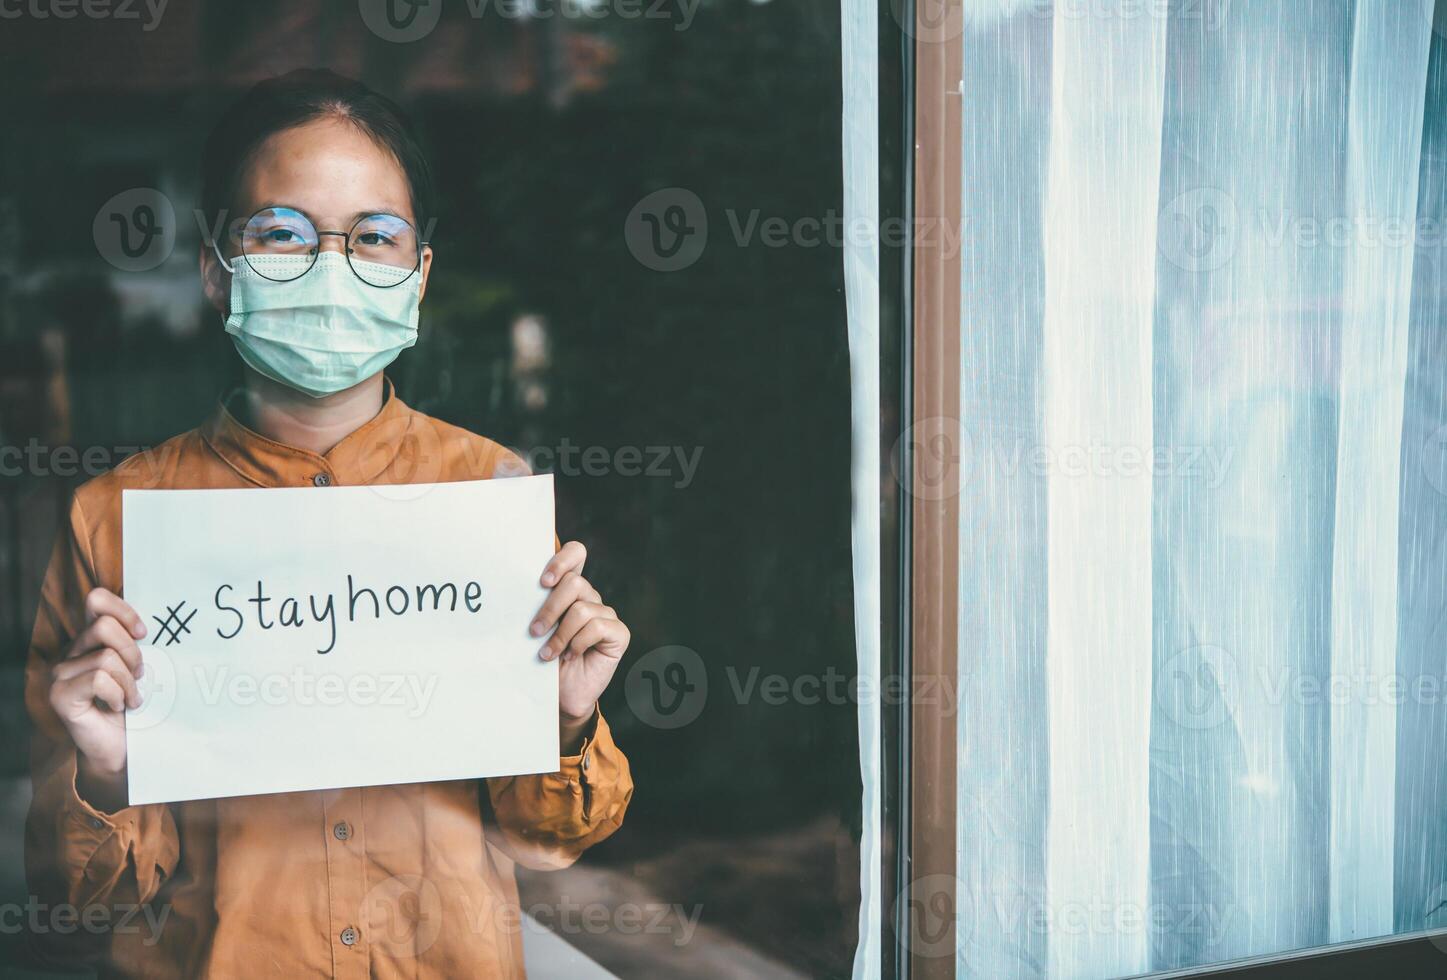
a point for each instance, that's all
(355, 461)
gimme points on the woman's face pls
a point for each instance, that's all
(329, 170)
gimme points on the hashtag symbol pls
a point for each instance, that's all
(173, 625)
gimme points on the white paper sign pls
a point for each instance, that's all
(304, 639)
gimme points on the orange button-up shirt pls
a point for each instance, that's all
(378, 881)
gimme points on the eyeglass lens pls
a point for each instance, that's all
(382, 249)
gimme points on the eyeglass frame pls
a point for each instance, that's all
(316, 250)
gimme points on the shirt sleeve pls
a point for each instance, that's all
(74, 853)
(547, 820)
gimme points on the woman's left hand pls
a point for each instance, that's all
(590, 640)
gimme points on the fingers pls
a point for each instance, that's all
(586, 624)
(106, 689)
(571, 589)
(108, 632)
(104, 602)
(106, 661)
(570, 558)
(102, 675)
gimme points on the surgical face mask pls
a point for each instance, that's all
(322, 329)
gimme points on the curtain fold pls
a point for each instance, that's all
(1202, 532)
(860, 71)
(1390, 50)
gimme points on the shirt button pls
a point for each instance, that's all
(97, 823)
(341, 831)
(321, 480)
(349, 936)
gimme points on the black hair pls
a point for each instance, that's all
(298, 97)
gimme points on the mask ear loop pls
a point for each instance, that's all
(216, 247)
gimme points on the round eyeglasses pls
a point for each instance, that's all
(383, 250)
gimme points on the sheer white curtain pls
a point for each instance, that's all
(1203, 529)
(860, 71)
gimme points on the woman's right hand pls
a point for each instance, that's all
(90, 689)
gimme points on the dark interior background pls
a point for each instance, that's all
(545, 133)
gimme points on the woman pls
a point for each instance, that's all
(319, 287)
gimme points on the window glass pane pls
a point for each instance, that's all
(637, 285)
(1202, 566)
